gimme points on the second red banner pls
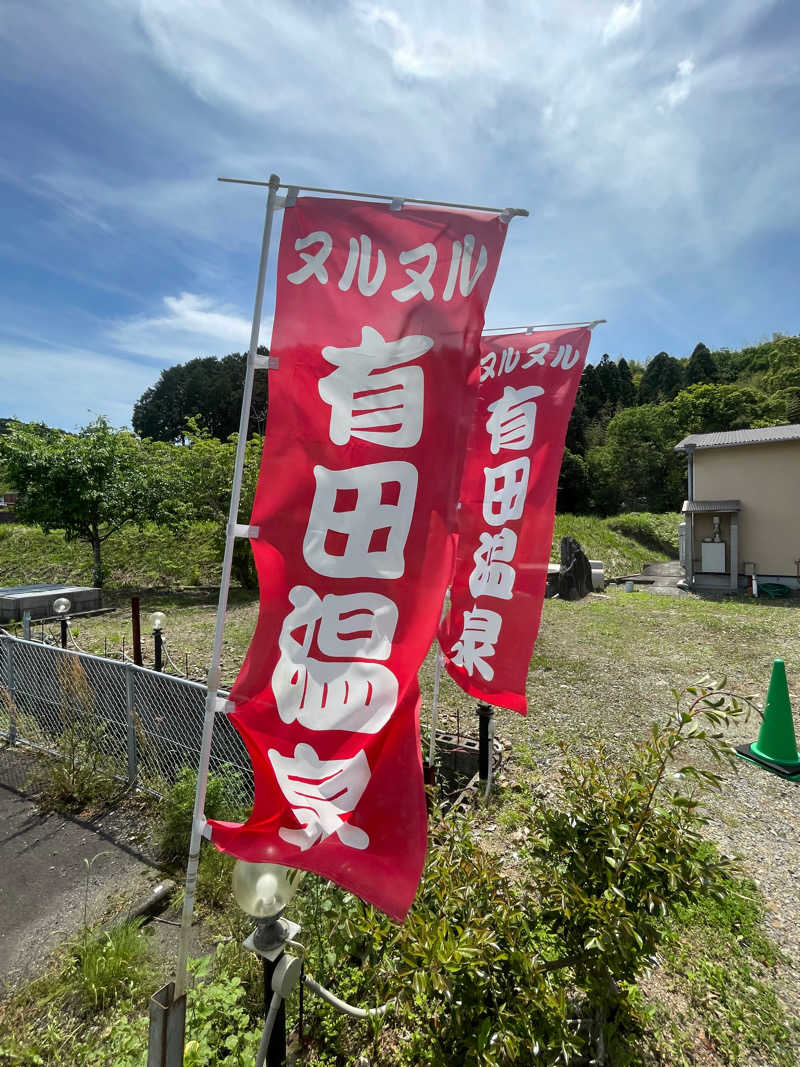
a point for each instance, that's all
(526, 394)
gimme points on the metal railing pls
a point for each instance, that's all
(148, 724)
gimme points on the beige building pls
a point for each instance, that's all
(743, 508)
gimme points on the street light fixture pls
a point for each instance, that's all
(61, 606)
(263, 890)
(157, 620)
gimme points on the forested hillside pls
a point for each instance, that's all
(628, 417)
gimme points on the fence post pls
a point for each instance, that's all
(12, 699)
(130, 682)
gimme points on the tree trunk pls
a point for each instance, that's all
(97, 566)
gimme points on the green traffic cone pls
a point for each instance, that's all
(776, 748)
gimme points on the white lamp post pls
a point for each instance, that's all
(263, 890)
(157, 620)
(61, 606)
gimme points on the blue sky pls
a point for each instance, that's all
(656, 143)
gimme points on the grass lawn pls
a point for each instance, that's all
(156, 558)
(723, 990)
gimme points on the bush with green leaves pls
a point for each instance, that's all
(623, 850)
(538, 967)
(176, 809)
(463, 969)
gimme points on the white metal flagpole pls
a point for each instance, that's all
(437, 677)
(212, 699)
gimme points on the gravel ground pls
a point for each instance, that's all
(757, 817)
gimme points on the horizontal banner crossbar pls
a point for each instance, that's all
(394, 200)
(591, 323)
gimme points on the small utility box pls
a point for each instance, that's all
(38, 600)
(712, 557)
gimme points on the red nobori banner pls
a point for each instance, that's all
(377, 335)
(526, 393)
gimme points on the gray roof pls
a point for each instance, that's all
(766, 435)
(725, 507)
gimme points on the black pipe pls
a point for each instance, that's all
(158, 643)
(485, 713)
(137, 631)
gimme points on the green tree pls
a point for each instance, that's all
(591, 392)
(209, 389)
(662, 379)
(639, 461)
(627, 390)
(638, 464)
(608, 376)
(89, 484)
(783, 368)
(576, 427)
(606, 496)
(206, 465)
(573, 485)
(718, 408)
(791, 400)
(701, 367)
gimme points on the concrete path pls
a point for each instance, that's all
(671, 569)
(43, 876)
(659, 578)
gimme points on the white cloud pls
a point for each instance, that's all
(426, 52)
(68, 387)
(680, 87)
(450, 100)
(192, 326)
(622, 18)
(500, 102)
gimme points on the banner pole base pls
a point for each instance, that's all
(485, 713)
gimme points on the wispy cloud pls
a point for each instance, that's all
(680, 87)
(190, 325)
(68, 387)
(623, 17)
(657, 144)
(427, 52)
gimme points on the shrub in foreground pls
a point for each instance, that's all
(499, 966)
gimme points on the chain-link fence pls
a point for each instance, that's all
(148, 724)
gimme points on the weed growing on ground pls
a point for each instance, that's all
(716, 953)
(107, 964)
(82, 773)
(214, 874)
(59, 1017)
(175, 812)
